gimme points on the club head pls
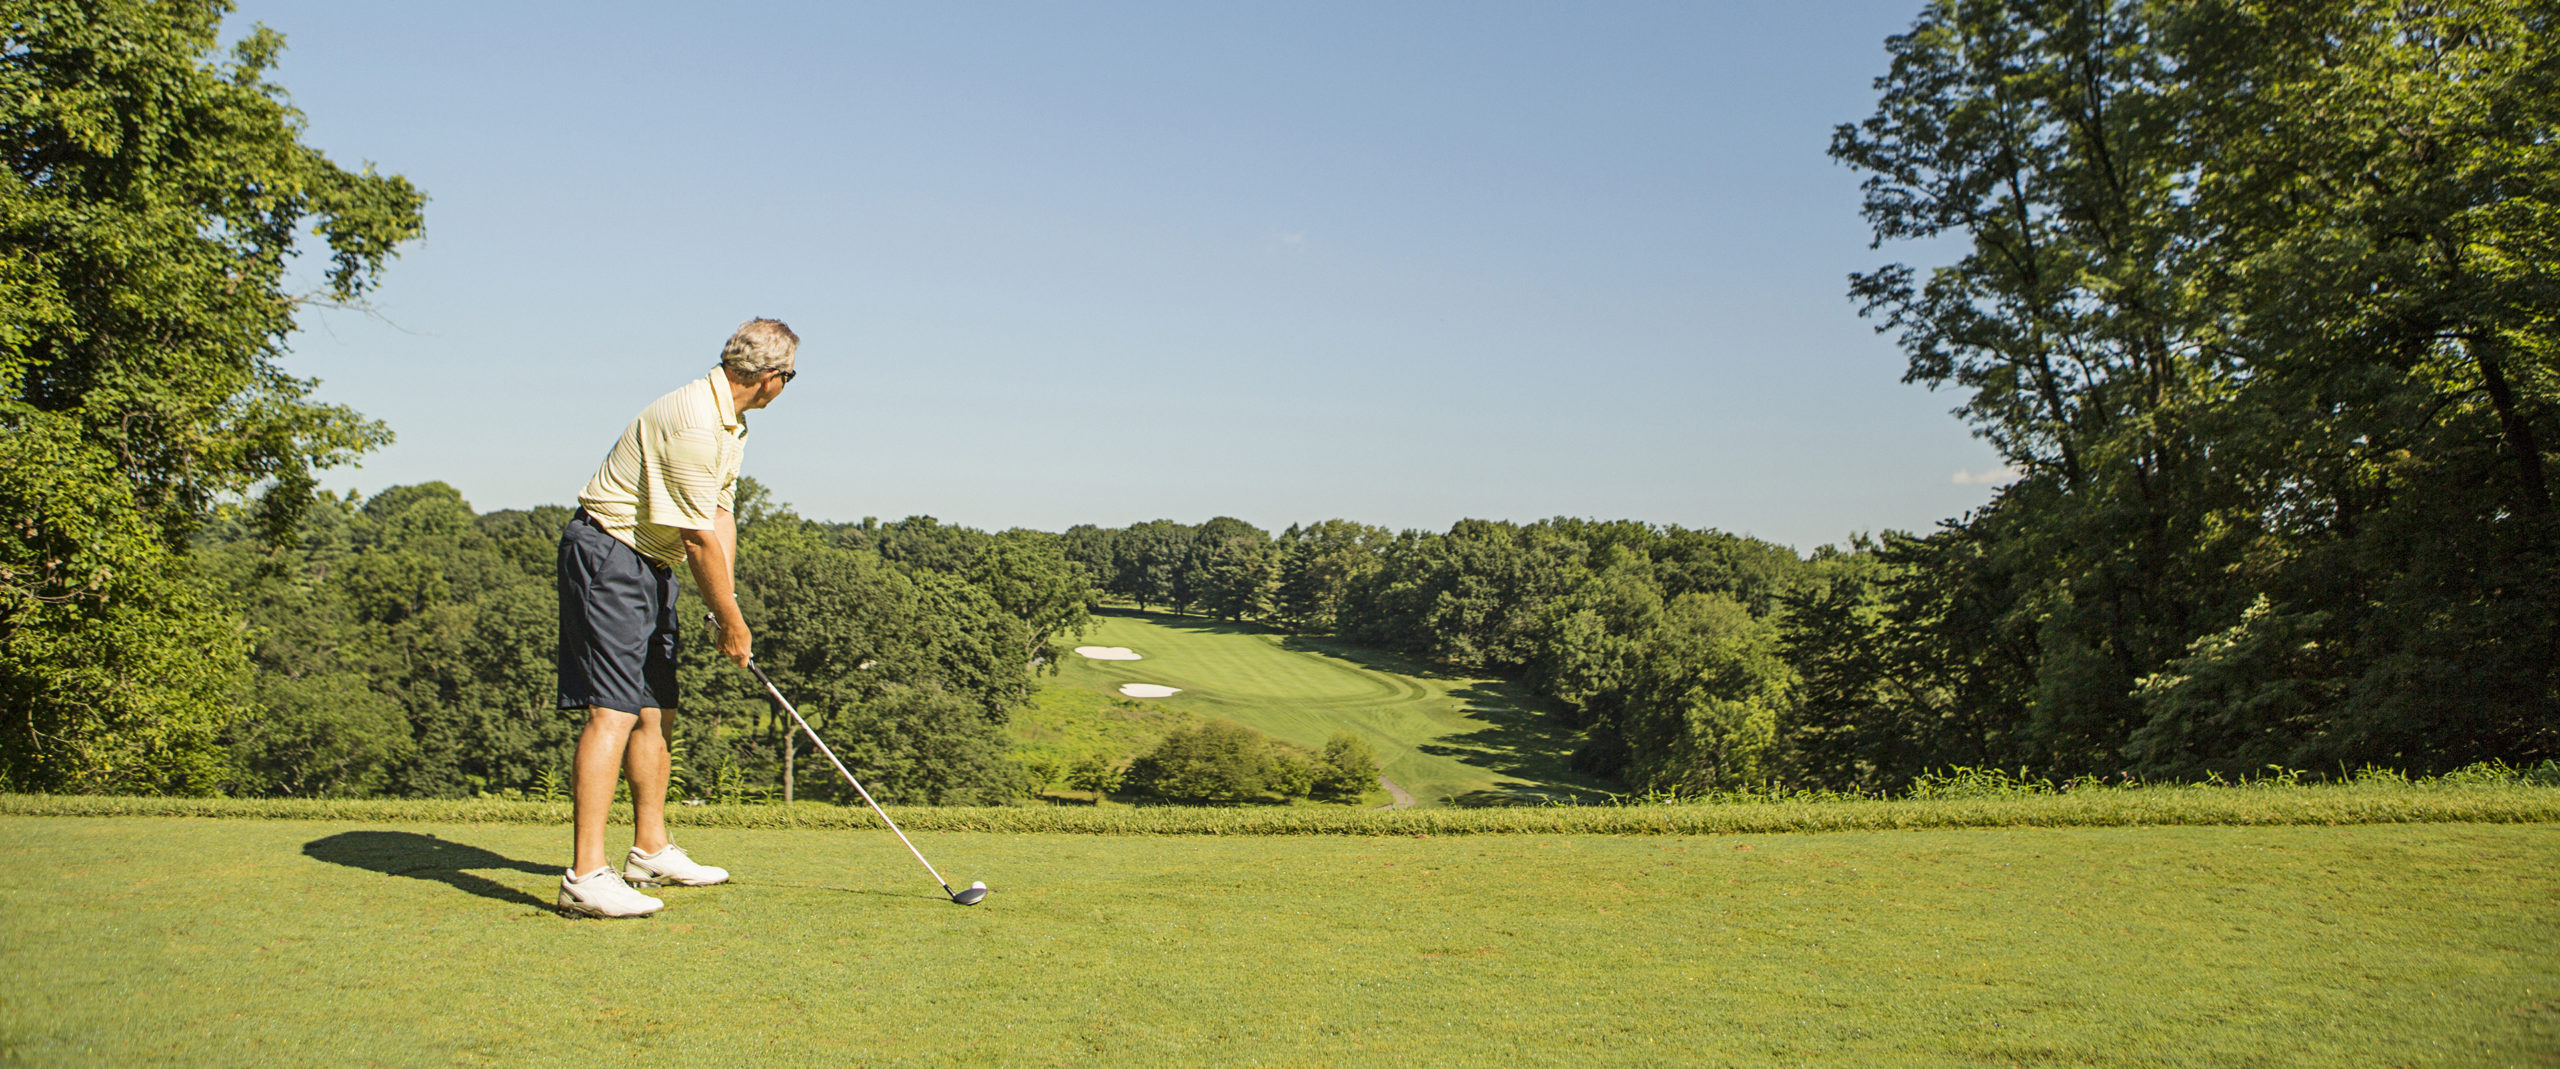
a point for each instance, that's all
(970, 896)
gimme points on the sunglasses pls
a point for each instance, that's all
(788, 375)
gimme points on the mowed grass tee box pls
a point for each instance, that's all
(210, 942)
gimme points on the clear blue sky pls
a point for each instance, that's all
(1062, 263)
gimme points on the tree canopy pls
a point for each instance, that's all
(2257, 298)
(155, 196)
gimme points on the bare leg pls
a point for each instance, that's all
(646, 763)
(600, 753)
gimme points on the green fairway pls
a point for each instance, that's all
(1442, 738)
(212, 942)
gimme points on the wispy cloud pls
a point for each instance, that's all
(1290, 240)
(2000, 476)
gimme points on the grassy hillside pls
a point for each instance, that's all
(141, 940)
(1443, 738)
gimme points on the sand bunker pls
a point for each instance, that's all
(1107, 653)
(1148, 690)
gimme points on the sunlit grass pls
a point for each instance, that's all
(1062, 725)
(212, 942)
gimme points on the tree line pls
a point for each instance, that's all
(403, 644)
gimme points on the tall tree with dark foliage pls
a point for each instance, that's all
(153, 192)
(2256, 299)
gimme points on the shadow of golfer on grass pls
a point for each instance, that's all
(425, 857)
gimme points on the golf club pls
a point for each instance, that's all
(972, 895)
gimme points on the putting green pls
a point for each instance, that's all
(147, 940)
(1442, 738)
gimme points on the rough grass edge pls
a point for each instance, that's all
(2320, 805)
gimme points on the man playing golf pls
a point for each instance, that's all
(662, 499)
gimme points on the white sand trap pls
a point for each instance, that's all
(1108, 653)
(1149, 690)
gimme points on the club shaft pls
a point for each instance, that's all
(769, 688)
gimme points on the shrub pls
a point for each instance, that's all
(1219, 761)
(1223, 761)
(1096, 773)
(1346, 771)
(1293, 771)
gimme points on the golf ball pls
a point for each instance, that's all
(980, 885)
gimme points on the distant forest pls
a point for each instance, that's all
(403, 645)
(2257, 298)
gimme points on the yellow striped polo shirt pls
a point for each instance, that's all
(675, 467)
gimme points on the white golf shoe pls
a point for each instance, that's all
(603, 894)
(670, 866)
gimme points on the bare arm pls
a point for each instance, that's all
(713, 555)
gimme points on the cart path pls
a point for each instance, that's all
(1402, 800)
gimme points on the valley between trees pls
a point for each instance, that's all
(1447, 739)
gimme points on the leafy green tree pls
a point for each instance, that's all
(922, 542)
(2248, 303)
(1094, 549)
(1489, 584)
(1232, 570)
(878, 657)
(1097, 773)
(156, 195)
(1147, 561)
(1388, 606)
(326, 735)
(1680, 699)
(1320, 563)
(1220, 761)
(1346, 771)
(969, 644)
(466, 642)
(1910, 658)
(1040, 770)
(1760, 575)
(1294, 772)
(323, 727)
(1225, 762)
(2049, 135)
(1587, 645)
(153, 195)
(1709, 690)
(2384, 189)
(448, 616)
(412, 604)
(118, 669)
(924, 745)
(1028, 574)
(2243, 698)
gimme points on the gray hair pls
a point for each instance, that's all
(759, 346)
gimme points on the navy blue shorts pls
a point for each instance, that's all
(617, 623)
